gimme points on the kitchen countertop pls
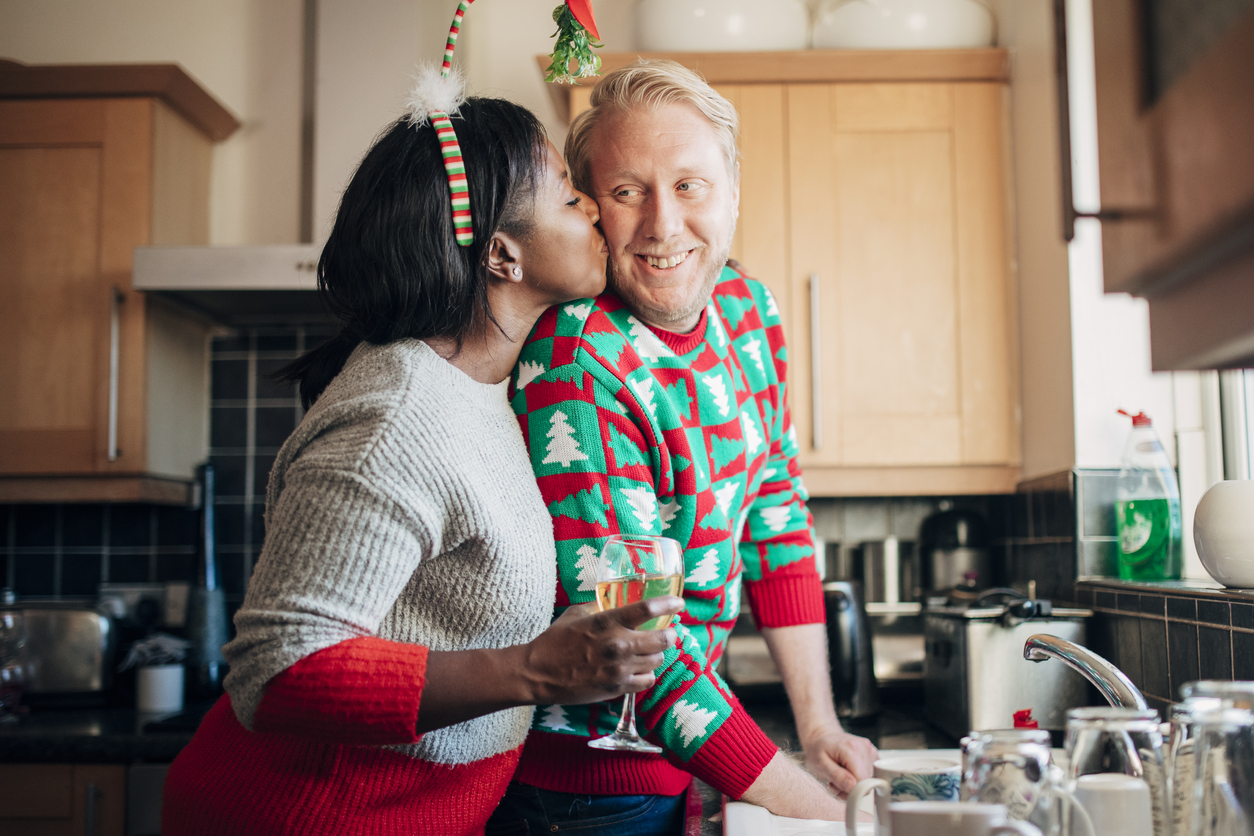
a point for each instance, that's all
(116, 735)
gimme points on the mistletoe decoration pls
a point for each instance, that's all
(576, 37)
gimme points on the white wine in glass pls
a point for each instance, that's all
(632, 568)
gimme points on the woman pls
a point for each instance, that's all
(393, 635)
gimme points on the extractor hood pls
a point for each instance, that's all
(234, 284)
(358, 59)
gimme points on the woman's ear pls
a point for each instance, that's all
(505, 258)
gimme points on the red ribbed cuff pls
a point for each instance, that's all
(786, 600)
(734, 756)
(360, 692)
(565, 763)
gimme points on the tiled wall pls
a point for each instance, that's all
(1165, 636)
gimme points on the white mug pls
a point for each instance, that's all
(920, 778)
(955, 818)
(1117, 804)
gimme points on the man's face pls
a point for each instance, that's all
(668, 210)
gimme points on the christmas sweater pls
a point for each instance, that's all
(401, 515)
(644, 431)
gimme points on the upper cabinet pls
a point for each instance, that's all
(105, 390)
(1175, 132)
(873, 204)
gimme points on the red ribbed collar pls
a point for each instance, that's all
(683, 343)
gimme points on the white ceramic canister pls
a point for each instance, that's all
(721, 25)
(902, 24)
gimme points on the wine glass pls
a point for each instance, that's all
(632, 568)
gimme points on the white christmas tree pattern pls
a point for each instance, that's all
(648, 346)
(705, 571)
(718, 390)
(643, 504)
(726, 495)
(776, 517)
(563, 447)
(691, 720)
(586, 567)
(767, 474)
(578, 311)
(754, 347)
(712, 316)
(554, 717)
(529, 370)
(771, 308)
(644, 391)
(668, 510)
(753, 438)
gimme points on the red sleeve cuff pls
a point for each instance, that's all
(362, 692)
(786, 600)
(734, 756)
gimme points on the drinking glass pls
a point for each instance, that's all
(1212, 776)
(631, 568)
(1104, 740)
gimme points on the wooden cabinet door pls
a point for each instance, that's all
(62, 799)
(896, 210)
(75, 199)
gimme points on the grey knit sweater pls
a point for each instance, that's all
(403, 506)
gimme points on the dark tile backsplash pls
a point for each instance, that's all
(1166, 635)
(66, 551)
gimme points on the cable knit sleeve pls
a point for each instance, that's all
(339, 550)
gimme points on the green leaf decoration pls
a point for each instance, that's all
(587, 505)
(572, 51)
(625, 450)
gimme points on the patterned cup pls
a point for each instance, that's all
(904, 779)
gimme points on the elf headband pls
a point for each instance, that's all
(437, 95)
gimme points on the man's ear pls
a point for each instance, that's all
(504, 258)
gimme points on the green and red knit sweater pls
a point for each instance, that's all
(643, 431)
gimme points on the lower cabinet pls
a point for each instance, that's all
(38, 799)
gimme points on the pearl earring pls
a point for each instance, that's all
(517, 271)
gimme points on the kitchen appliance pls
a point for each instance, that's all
(850, 653)
(953, 550)
(69, 651)
(974, 673)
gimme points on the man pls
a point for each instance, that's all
(660, 408)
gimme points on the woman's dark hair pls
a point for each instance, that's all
(391, 268)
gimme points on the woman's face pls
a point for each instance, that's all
(564, 255)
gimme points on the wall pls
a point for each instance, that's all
(246, 52)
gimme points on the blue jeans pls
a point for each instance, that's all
(530, 811)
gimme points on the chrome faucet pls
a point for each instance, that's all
(1112, 682)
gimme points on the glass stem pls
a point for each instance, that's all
(627, 719)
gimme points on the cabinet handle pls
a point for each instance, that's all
(816, 368)
(115, 337)
(89, 815)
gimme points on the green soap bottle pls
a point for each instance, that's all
(1147, 510)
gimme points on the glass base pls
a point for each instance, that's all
(619, 742)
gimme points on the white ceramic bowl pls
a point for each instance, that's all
(722, 25)
(902, 24)
(1223, 531)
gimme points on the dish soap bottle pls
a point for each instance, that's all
(1147, 510)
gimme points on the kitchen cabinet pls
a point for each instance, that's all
(105, 389)
(873, 204)
(53, 799)
(1175, 117)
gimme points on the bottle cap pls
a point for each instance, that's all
(1023, 720)
(1138, 420)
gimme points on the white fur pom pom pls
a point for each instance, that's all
(434, 92)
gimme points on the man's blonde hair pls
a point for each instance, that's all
(649, 83)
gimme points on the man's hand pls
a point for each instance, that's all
(839, 759)
(588, 656)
